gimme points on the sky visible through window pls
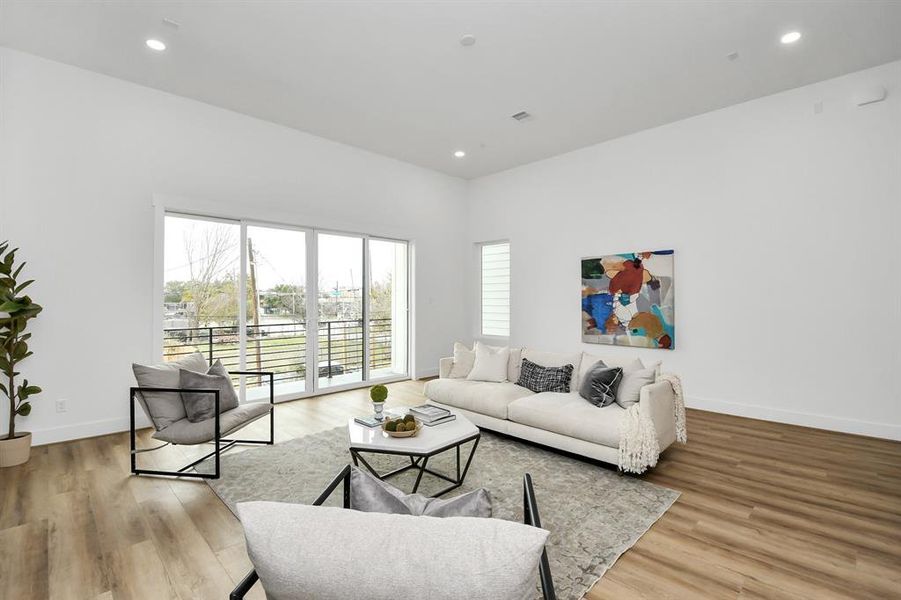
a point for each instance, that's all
(276, 249)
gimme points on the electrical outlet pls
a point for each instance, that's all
(61, 406)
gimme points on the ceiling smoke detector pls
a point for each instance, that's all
(521, 116)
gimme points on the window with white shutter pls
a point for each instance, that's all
(495, 288)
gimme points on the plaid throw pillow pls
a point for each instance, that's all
(545, 379)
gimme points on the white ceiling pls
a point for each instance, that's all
(391, 76)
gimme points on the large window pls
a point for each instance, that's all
(241, 293)
(495, 288)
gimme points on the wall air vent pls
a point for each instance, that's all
(522, 116)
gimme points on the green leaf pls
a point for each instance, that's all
(4, 390)
(4, 363)
(11, 306)
(19, 270)
(24, 409)
(22, 286)
(20, 350)
(32, 390)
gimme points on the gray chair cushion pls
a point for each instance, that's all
(327, 553)
(165, 408)
(186, 432)
(201, 406)
(369, 494)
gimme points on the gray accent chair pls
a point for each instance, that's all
(530, 517)
(163, 406)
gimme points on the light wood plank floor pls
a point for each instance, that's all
(767, 511)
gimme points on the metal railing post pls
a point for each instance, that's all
(210, 334)
(328, 325)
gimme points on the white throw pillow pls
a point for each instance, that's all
(463, 361)
(514, 365)
(629, 391)
(491, 364)
(329, 553)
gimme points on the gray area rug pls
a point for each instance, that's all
(593, 514)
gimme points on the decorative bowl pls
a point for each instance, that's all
(401, 434)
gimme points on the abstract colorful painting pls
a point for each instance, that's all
(627, 300)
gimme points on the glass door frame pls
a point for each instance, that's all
(311, 240)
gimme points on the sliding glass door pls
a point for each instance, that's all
(201, 289)
(388, 309)
(240, 292)
(276, 335)
(340, 309)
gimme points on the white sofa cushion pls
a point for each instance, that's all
(569, 415)
(331, 553)
(491, 363)
(483, 397)
(463, 361)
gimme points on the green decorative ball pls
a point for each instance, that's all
(409, 418)
(378, 393)
(391, 426)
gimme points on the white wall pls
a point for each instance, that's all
(82, 156)
(785, 225)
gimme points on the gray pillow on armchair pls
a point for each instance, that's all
(165, 408)
(202, 406)
(369, 494)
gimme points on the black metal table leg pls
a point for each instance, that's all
(420, 463)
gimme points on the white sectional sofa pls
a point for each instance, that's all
(629, 438)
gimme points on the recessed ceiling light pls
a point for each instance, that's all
(791, 37)
(155, 45)
(459, 154)
(468, 40)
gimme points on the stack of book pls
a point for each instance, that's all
(432, 415)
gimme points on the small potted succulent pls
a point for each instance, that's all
(378, 394)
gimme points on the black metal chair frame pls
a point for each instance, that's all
(217, 440)
(530, 517)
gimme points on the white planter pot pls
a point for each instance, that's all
(15, 451)
(377, 408)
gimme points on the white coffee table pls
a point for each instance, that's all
(424, 445)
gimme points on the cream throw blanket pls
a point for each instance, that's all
(638, 447)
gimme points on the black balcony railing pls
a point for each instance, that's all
(281, 347)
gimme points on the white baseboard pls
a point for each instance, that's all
(76, 431)
(766, 413)
(425, 373)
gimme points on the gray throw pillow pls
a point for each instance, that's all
(165, 408)
(629, 391)
(369, 494)
(600, 384)
(302, 552)
(202, 406)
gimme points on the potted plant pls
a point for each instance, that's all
(378, 394)
(16, 310)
